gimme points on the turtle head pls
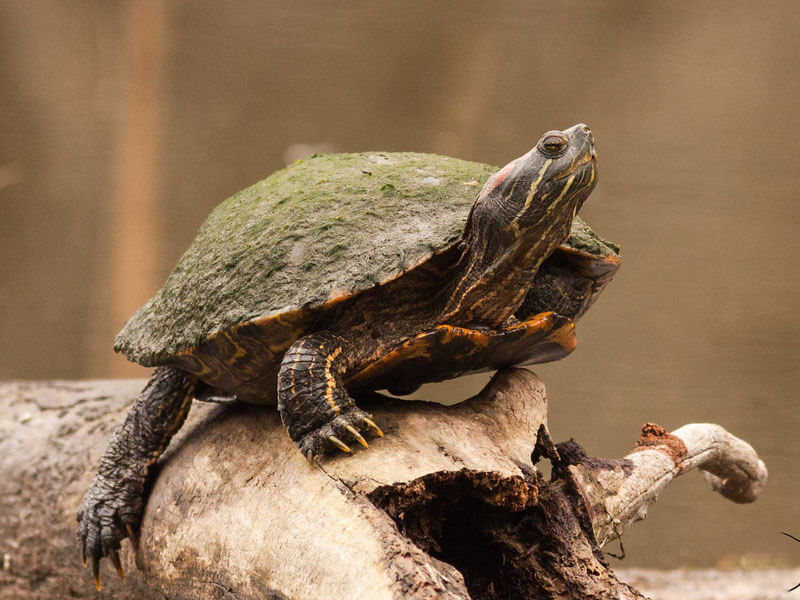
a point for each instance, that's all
(523, 212)
(540, 189)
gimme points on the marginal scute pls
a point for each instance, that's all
(449, 351)
(581, 237)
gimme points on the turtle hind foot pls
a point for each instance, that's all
(348, 427)
(104, 522)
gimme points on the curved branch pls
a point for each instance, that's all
(618, 492)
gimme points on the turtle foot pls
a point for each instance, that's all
(337, 435)
(105, 519)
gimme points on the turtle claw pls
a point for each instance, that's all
(132, 536)
(114, 556)
(352, 424)
(339, 443)
(96, 571)
(374, 427)
(359, 438)
(310, 458)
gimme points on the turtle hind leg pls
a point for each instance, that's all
(314, 405)
(112, 507)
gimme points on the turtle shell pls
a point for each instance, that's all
(315, 233)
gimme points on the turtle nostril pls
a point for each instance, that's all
(586, 129)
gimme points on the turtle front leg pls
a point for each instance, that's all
(312, 400)
(113, 505)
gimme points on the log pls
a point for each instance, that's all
(448, 505)
(52, 435)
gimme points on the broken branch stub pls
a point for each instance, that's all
(619, 491)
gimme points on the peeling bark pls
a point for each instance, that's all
(448, 505)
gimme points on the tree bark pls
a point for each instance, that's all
(448, 505)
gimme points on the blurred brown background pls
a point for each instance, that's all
(123, 123)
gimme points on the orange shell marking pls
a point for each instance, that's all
(448, 351)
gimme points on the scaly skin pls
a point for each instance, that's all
(312, 400)
(112, 508)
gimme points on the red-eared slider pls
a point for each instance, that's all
(346, 274)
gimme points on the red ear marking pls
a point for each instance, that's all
(499, 177)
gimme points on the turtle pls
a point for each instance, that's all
(344, 275)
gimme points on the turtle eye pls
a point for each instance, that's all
(553, 144)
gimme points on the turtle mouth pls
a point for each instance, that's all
(589, 157)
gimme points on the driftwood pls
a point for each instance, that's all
(448, 505)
